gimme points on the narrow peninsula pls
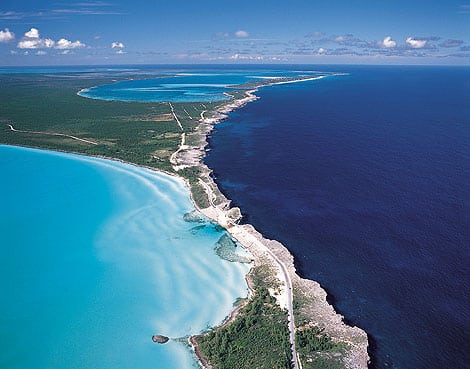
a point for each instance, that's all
(286, 320)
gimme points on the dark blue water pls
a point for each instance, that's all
(366, 179)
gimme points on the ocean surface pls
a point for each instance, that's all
(96, 257)
(365, 178)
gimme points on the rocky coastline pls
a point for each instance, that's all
(314, 305)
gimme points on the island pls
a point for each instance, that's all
(158, 338)
(286, 322)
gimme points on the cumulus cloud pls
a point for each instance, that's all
(41, 52)
(63, 44)
(6, 35)
(36, 43)
(31, 40)
(117, 45)
(32, 33)
(321, 51)
(388, 42)
(416, 43)
(241, 34)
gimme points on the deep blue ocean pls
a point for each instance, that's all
(366, 179)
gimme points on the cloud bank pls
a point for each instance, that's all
(32, 40)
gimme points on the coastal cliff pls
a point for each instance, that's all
(304, 300)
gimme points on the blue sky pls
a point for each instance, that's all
(50, 32)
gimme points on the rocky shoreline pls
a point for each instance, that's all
(264, 251)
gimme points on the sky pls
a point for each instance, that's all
(81, 32)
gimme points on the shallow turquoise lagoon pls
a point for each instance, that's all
(95, 258)
(189, 87)
(186, 87)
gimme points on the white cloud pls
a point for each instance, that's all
(246, 57)
(36, 43)
(40, 52)
(6, 35)
(388, 42)
(241, 34)
(121, 52)
(118, 45)
(321, 51)
(66, 44)
(32, 33)
(31, 40)
(416, 44)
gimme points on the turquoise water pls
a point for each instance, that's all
(96, 258)
(179, 88)
(206, 86)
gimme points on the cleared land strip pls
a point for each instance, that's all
(182, 145)
(52, 134)
(176, 117)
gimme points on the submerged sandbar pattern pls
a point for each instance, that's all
(97, 257)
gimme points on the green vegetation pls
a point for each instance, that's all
(142, 133)
(316, 348)
(198, 193)
(257, 338)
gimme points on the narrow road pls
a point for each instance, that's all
(173, 160)
(190, 117)
(287, 282)
(290, 306)
(52, 134)
(176, 117)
